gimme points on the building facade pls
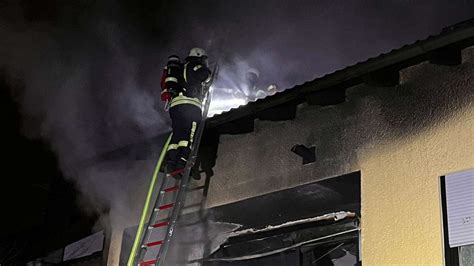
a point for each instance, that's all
(403, 119)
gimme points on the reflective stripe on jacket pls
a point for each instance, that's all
(181, 99)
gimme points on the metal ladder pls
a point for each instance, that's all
(153, 239)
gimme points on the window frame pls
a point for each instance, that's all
(451, 255)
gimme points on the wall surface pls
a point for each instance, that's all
(401, 138)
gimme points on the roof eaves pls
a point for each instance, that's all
(402, 57)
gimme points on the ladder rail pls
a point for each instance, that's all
(146, 208)
(181, 197)
(155, 214)
(143, 236)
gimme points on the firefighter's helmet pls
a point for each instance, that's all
(197, 52)
(253, 71)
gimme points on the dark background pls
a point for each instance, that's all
(38, 205)
(100, 49)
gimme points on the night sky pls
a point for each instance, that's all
(79, 78)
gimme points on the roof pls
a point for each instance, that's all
(441, 47)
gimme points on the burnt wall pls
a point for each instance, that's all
(261, 161)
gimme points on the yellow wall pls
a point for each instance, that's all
(401, 206)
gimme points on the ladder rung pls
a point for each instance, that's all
(176, 172)
(166, 206)
(156, 243)
(148, 262)
(171, 189)
(159, 224)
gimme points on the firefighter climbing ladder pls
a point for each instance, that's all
(153, 239)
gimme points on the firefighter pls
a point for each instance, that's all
(182, 88)
(251, 78)
(255, 91)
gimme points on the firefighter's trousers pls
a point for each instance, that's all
(186, 115)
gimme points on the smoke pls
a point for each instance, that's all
(193, 243)
(86, 91)
(91, 69)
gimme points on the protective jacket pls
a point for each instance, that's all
(194, 73)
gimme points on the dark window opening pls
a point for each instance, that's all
(307, 240)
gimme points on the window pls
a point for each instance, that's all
(457, 198)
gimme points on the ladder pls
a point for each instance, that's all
(153, 239)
